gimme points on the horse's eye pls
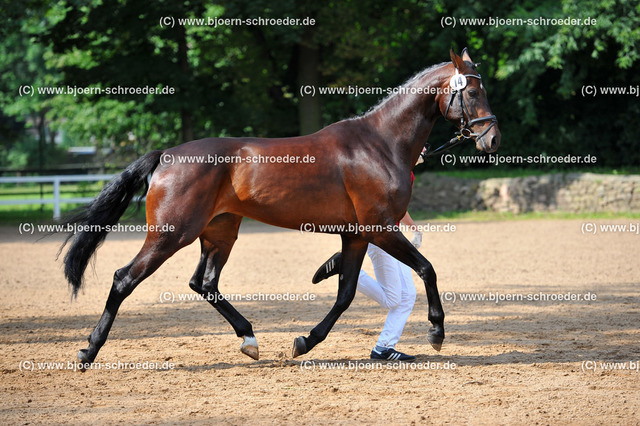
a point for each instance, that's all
(473, 93)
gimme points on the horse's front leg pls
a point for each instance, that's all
(399, 247)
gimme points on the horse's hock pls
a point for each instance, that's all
(562, 192)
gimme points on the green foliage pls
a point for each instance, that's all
(243, 80)
(25, 153)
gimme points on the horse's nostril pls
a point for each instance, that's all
(494, 142)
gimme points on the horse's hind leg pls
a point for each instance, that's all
(353, 251)
(154, 252)
(216, 242)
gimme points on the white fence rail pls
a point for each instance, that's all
(56, 180)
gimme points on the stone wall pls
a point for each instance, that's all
(564, 192)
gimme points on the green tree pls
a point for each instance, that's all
(244, 80)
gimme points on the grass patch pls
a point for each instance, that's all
(488, 216)
(496, 172)
(12, 191)
(36, 214)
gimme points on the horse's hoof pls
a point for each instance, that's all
(83, 356)
(299, 347)
(435, 340)
(83, 360)
(250, 347)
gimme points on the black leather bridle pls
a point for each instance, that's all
(465, 133)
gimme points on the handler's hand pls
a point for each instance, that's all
(417, 239)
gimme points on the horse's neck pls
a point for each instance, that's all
(404, 121)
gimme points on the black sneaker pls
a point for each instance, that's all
(329, 268)
(391, 354)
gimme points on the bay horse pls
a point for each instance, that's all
(360, 176)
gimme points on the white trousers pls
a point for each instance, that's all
(393, 289)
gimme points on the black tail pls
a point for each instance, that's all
(104, 211)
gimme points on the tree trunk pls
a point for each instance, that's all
(185, 114)
(42, 140)
(309, 111)
(187, 126)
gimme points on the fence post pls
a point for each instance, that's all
(56, 197)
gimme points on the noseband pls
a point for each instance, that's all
(465, 133)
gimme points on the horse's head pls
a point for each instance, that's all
(467, 106)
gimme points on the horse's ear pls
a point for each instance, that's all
(465, 56)
(457, 60)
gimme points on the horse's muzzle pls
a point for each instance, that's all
(490, 141)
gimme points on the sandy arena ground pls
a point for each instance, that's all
(516, 362)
